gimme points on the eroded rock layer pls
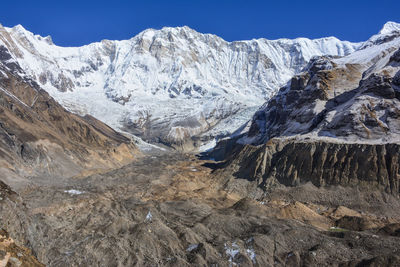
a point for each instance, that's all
(293, 163)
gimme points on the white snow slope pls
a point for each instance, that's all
(170, 85)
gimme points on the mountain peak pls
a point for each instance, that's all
(390, 27)
(19, 28)
(47, 39)
(180, 30)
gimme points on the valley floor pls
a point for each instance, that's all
(172, 210)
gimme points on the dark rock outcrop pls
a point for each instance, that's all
(379, 85)
(391, 229)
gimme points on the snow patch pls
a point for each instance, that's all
(149, 217)
(74, 192)
(231, 252)
(192, 247)
(208, 146)
(252, 254)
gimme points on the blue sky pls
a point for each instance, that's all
(72, 23)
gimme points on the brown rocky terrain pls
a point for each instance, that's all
(170, 209)
(12, 254)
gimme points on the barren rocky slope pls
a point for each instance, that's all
(170, 210)
(39, 137)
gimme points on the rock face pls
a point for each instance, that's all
(38, 137)
(167, 85)
(336, 123)
(293, 163)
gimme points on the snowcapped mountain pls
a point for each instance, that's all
(173, 86)
(352, 99)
